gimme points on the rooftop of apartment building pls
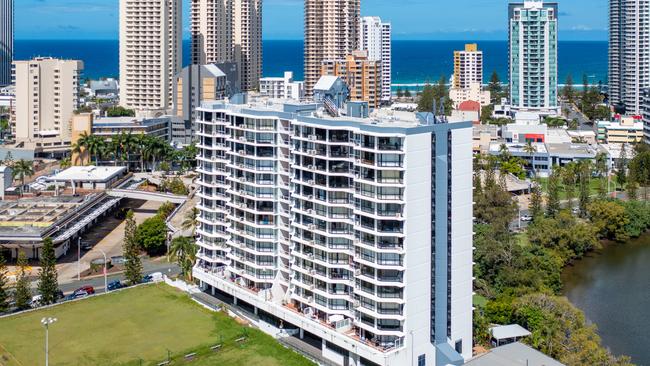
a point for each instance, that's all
(305, 111)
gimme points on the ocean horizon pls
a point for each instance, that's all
(415, 62)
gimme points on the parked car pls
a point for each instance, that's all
(147, 279)
(36, 301)
(115, 285)
(76, 295)
(117, 260)
(575, 210)
(89, 290)
(526, 218)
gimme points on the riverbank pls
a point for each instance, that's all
(611, 286)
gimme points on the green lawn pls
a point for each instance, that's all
(593, 187)
(140, 323)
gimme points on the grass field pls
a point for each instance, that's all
(144, 323)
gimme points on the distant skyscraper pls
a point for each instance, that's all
(629, 52)
(150, 53)
(229, 31)
(533, 40)
(6, 40)
(375, 38)
(468, 67)
(331, 33)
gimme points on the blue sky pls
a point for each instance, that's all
(412, 19)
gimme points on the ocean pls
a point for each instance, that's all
(414, 62)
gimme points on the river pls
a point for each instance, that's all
(612, 287)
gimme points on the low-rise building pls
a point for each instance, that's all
(622, 130)
(513, 354)
(521, 133)
(483, 136)
(26, 222)
(89, 177)
(6, 180)
(284, 87)
(474, 92)
(104, 88)
(109, 127)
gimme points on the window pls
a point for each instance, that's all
(459, 346)
(422, 360)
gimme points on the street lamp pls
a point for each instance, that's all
(79, 258)
(105, 270)
(46, 323)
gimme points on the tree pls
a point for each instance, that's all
(133, 264)
(400, 92)
(151, 235)
(183, 251)
(640, 170)
(65, 163)
(435, 94)
(530, 149)
(486, 113)
(621, 167)
(407, 93)
(119, 111)
(23, 294)
(48, 284)
(568, 177)
(568, 92)
(584, 177)
(610, 219)
(495, 87)
(165, 167)
(191, 220)
(96, 147)
(22, 169)
(553, 199)
(536, 201)
(4, 282)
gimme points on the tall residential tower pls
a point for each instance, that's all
(354, 232)
(532, 33)
(468, 67)
(375, 38)
(331, 33)
(629, 52)
(150, 53)
(229, 31)
(6, 40)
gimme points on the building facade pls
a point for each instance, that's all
(533, 37)
(229, 31)
(313, 222)
(150, 54)
(6, 40)
(47, 94)
(645, 115)
(623, 130)
(331, 33)
(468, 67)
(375, 38)
(282, 87)
(629, 52)
(363, 76)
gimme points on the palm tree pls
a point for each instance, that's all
(96, 147)
(128, 144)
(191, 220)
(65, 163)
(140, 145)
(531, 149)
(183, 250)
(81, 146)
(21, 169)
(117, 146)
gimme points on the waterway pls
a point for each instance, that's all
(612, 287)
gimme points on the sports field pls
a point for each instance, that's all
(138, 326)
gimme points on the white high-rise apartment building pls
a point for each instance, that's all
(331, 33)
(6, 40)
(355, 231)
(533, 37)
(629, 52)
(229, 31)
(47, 94)
(150, 53)
(375, 38)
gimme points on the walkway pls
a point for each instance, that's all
(147, 196)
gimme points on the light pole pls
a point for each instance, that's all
(46, 323)
(79, 258)
(105, 270)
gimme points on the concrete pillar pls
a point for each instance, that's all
(255, 310)
(354, 359)
(302, 333)
(212, 290)
(234, 301)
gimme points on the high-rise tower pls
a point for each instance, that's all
(229, 31)
(629, 52)
(532, 32)
(375, 38)
(150, 53)
(6, 40)
(331, 33)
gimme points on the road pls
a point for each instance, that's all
(170, 269)
(583, 121)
